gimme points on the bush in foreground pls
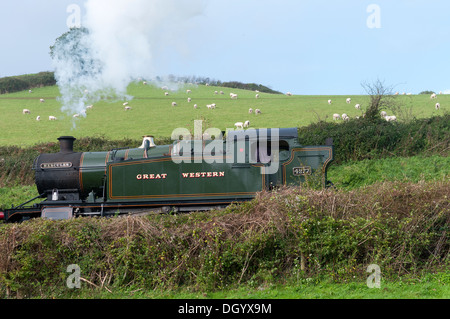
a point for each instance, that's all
(401, 227)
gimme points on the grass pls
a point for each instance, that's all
(152, 112)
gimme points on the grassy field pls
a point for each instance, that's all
(152, 112)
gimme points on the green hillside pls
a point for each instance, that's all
(152, 112)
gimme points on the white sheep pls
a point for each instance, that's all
(391, 118)
(437, 106)
(195, 106)
(41, 100)
(188, 91)
(89, 107)
(211, 106)
(76, 115)
(289, 94)
(166, 93)
(348, 100)
(239, 125)
(357, 106)
(250, 111)
(52, 118)
(38, 118)
(433, 96)
(125, 104)
(257, 96)
(247, 123)
(345, 117)
(127, 108)
(329, 102)
(189, 99)
(233, 96)
(26, 111)
(257, 111)
(336, 116)
(174, 103)
(383, 113)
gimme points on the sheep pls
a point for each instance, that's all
(38, 118)
(76, 115)
(216, 92)
(26, 111)
(195, 106)
(29, 91)
(145, 83)
(391, 118)
(289, 94)
(174, 103)
(437, 106)
(125, 104)
(211, 106)
(329, 102)
(188, 91)
(91, 106)
(127, 108)
(52, 118)
(239, 125)
(166, 93)
(433, 96)
(383, 113)
(345, 117)
(336, 116)
(247, 123)
(189, 99)
(41, 100)
(221, 92)
(348, 100)
(233, 96)
(257, 111)
(357, 106)
(257, 96)
(250, 111)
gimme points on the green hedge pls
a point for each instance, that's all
(25, 82)
(281, 235)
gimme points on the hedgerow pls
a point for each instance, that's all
(401, 227)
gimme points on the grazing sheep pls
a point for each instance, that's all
(52, 118)
(239, 125)
(221, 92)
(174, 103)
(433, 96)
(29, 91)
(437, 106)
(383, 113)
(289, 94)
(76, 115)
(357, 106)
(127, 108)
(329, 102)
(348, 100)
(247, 123)
(195, 106)
(391, 118)
(41, 100)
(211, 106)
(250, 111)
(145, 83)
(233, 96)
(336, 116)
(189, 99)
(89, 107)
(125, 104)
(257, 111)
(26, 111)
(216, 92)
(345, 117)
(38, 118)
(188, 91)
(257, 96)
(166, 93)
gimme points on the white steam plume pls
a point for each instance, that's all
(122, 40)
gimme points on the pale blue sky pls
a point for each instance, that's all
(305, 47)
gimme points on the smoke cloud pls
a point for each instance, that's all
(120, 41)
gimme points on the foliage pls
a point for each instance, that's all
(25, 82)
(291, 232)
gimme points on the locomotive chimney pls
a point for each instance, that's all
(66, 144)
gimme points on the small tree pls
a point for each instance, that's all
(381, 98)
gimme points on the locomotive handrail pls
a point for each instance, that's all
(21, 205)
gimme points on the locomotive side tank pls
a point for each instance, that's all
(186, 175)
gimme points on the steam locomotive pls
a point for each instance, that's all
(187, 175)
